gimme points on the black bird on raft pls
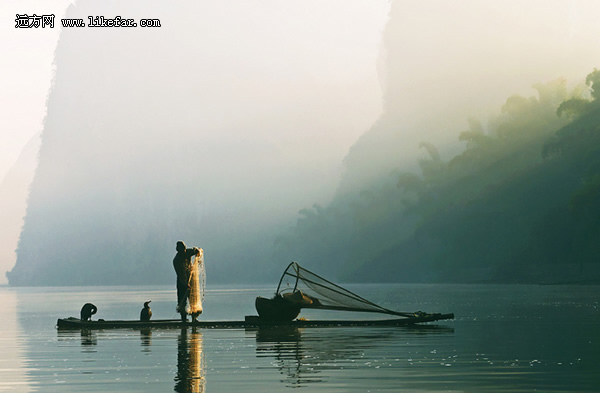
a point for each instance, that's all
(87, 311)
(146, 313)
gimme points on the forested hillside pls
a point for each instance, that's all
(518, 204)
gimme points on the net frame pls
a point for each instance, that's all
(329, 296)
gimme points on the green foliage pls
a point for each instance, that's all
(573, 108)
(578, 106)
(593, 81)
(517, 199)
(587, 196)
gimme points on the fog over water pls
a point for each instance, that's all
(219, 126)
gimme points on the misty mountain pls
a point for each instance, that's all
(518, 204)
(222, 124)
(199, 130)
(14, 189)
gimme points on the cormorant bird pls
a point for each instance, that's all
(146, 313)
(87, 311)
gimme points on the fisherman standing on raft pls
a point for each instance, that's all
(183, 264)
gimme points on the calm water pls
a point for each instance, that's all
(504, 339)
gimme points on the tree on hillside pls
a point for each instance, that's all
(578, 105)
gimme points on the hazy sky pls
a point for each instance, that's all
(565, 32)
(343, 50)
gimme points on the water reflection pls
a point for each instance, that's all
(284, 344)
(13, 359)
(146, 339)
(190, 377)
(302, 355)
(88, 340)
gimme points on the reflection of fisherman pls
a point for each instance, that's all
(183, 266)
(190, 376)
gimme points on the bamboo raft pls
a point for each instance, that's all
(248, 322)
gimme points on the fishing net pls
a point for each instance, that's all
(197, 284)
(310, 290)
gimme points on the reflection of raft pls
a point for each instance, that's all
(312, 291)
